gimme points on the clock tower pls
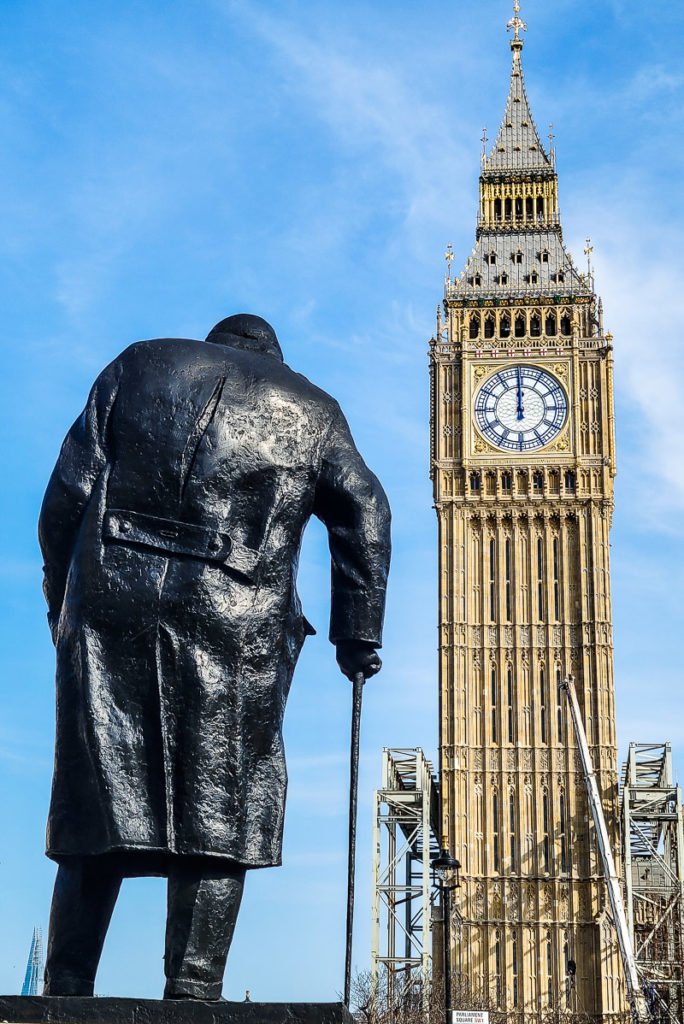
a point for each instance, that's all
(523, 461)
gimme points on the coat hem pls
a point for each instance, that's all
(161, 852)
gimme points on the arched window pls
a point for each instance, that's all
(559, 707)
(542, 704)
(540, 208)
(551, 325)
(506, 481)
(474, 329)
(508, 208)
(474, 481)
(489, 327)
(540, 579)
(520, 326)
(508, 579)
(497, 967)
(497, 209)
(566, 326)
(509, 689)
(535, 325)
(549, 968)
(494, 710)
(546, 845)
(563, 866)
(530, 844)
(537, 481)
(529, 208)
(492, 580)
(477, 560)
(569, 480)
(505, 321)
(511, 826)
(556, 590)
(495, 828)
(518, 207)
(514, 966)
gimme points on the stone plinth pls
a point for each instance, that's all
(111, 1010)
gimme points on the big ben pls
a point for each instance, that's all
(523, 462)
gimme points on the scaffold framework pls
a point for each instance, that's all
(653, 856)
(404, 841)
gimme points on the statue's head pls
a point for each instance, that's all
(244, 330)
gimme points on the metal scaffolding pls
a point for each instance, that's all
(653, 856)
(404, 841)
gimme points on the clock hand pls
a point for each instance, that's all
(521, 411)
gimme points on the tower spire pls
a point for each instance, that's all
(517, 145)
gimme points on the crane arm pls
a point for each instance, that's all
(637, 999)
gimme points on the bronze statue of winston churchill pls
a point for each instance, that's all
(171, 530)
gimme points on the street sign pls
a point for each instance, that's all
(469, 1017)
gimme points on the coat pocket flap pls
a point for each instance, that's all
(171, 536)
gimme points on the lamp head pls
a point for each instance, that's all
(445, 864)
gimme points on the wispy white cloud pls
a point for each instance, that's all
(26, 749)
(370, 105)
(641, 282)
(24, 759)
(651, 82)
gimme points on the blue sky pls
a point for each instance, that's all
(166, 164)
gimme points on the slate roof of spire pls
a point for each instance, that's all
(541, 253)
(517, 146)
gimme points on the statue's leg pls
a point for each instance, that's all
(203, 905)
(82, 904)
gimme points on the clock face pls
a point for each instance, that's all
(521, 408)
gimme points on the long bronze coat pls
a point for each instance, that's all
(171, 530)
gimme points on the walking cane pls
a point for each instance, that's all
(358, 682)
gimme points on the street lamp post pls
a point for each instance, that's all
(445, 865)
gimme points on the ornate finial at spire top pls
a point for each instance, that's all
(517, 24)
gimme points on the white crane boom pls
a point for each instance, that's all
(637, 999)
